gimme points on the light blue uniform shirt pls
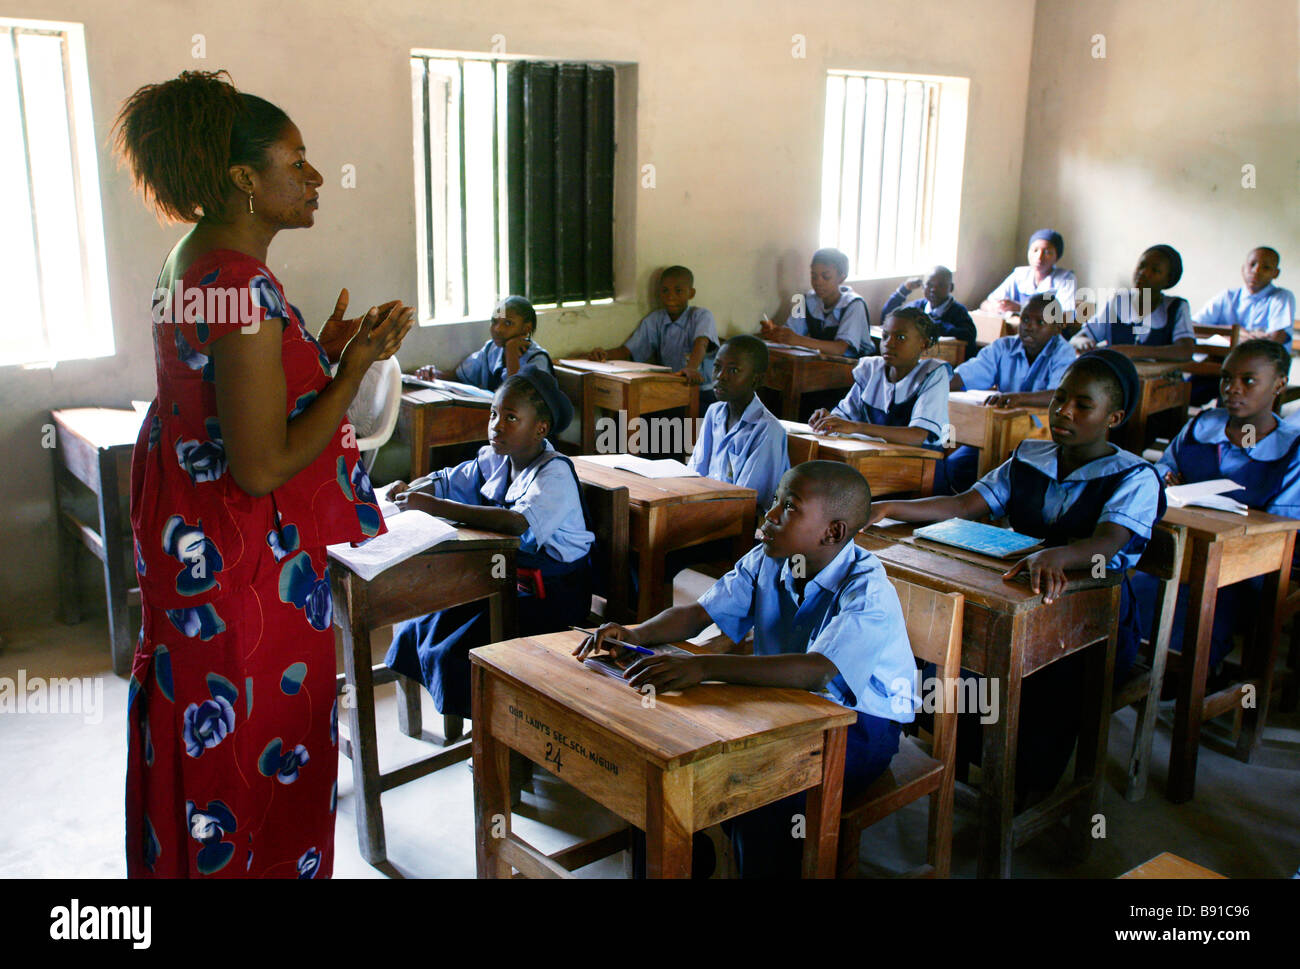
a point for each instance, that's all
(486, 366)
(753, 454)
(661, 340)
(849, 613)
(846, 321)
(1134, 504)
(1020, 285)
(1211, 429)
(1004, 365)
(1121, 309)
(545, 493)
(1269, 310)
(928, 380)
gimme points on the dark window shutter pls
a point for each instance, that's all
(600, 182)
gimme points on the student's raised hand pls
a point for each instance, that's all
(1173, 478)
(913, 283)
(1046, 572)
(595, 642)
(665, 672)
(693, 377)
(1008, 306)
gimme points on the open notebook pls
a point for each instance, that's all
(614, 366)
(1206, 494)
(663, 468)
(409, 533)
(797, 427)
(450, 388)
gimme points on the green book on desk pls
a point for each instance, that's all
(1000, 543)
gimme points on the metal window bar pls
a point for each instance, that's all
(430, 255)
(31, 186)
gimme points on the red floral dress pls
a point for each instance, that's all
(233, 725)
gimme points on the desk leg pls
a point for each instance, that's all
(491, 782)
(361, 717)
(69, 600)
(110, 530)
(998, 776)
(823, 808)
(420, 426)
(650, 568)
(790, 401)
(669, 822)
(1094, 734)
(1189, 710)
(743, 542)
(1261, 653)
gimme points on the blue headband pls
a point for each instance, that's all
(1052, 236)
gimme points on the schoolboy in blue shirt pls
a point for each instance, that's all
(834, 319)
(1259, 306)
(1163, 332)
(899, 396)
(950, 317)
(1042, 276)
(825, 618)
(1025, 369)
(740, 441)
(1246, 442)
(518, 484)
(509, 348)
(678, 335)
(1084, 497)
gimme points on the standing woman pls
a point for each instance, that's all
(243, 472)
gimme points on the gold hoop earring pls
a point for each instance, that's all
(250, 204)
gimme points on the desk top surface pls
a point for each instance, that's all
(787, 353)
(654, 491)
(103, 427)
(1169, 865)
(432, 397)
(1148, 369)
(979, 582)
(970, 408)
(849, 446)
(702, 721)
(1219, 525)
(624, 371)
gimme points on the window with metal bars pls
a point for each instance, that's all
(514, 182)
(53, 271)
(880, 170)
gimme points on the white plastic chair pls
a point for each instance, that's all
(374, 409)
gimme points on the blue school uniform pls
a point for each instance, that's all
(753, 454)
(850, 613)
(847, 320)
(1268, 311)
(1269, 473)
(919, 399)
(658, 339)
(1020, 285)
(951, 318)
(1119, 323)
(553, 562)
(1005, 365)
(1119, 487)
(486, 366)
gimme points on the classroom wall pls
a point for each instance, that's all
(1147, 145)
(729, 118)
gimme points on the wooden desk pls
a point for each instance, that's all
(1169, 865)
(988, 326)
(1223, 548)
(1162, 388)
(1008, 633)
(635, 392)
(429, 418)
(793, 374)
(681, 765)
(995, 430)
(890, 469)
(672, 513)
(93, 445)
(475, 565)
(949, 349)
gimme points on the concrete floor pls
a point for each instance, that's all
(62, 811)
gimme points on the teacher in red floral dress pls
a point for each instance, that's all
(245, 469)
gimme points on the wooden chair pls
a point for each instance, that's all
(934, 629)
(1163, 559)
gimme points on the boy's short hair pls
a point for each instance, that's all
(680, 272)
(752, 348)
(1046, 301)
(1275, 353)
(1277, 256)
(522, 307)
(833, 258)
(924, 323)
(843, 490)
